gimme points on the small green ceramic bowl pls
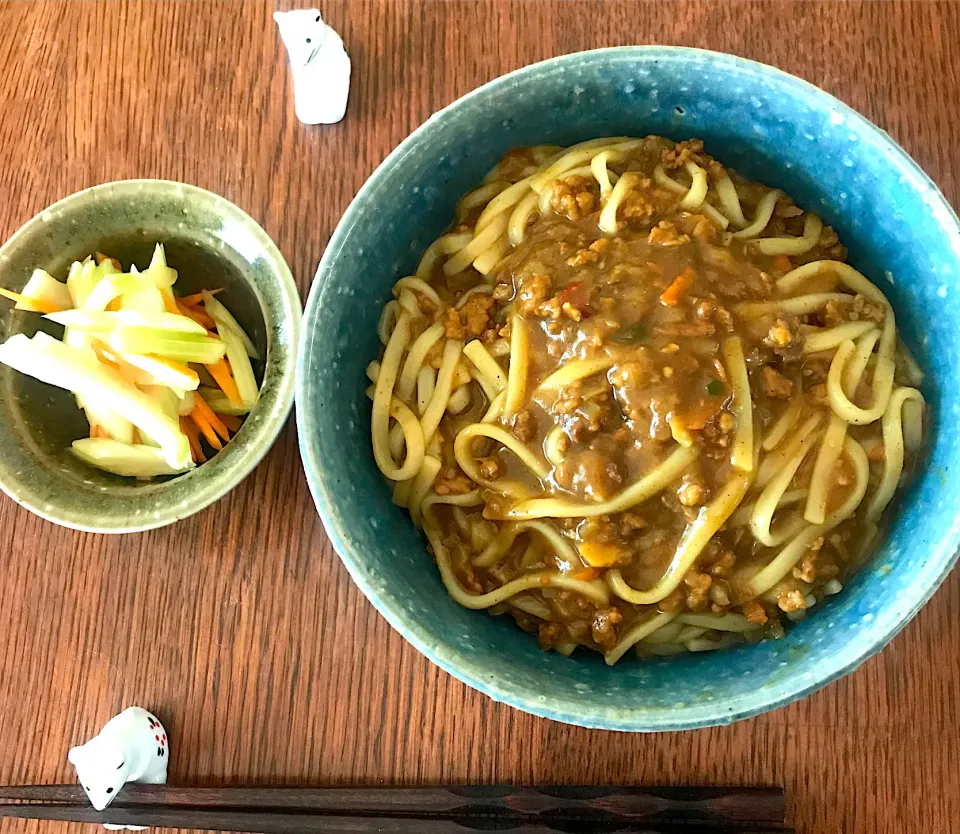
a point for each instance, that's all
(211, 243)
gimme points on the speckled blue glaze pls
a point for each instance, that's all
(773, 128)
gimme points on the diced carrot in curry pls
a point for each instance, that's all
(679, 288)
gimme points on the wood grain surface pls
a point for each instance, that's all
(239, 626)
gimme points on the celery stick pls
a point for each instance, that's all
(238, 348)
(77, 339)
(145, 298)
(184, 347)
(186, 403)
(241, 367)
(105, 268)
(116, 426)
(109, 288)
(162, 276)
(102, 322)
(139, 461)
(78, 370)
(42, 286)
(220, 402)
(165, 398)
(130, 372)
(81, 281)
(222, 316)
(161, 372)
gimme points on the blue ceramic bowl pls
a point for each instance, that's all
(770, 126)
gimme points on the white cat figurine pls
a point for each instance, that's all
(320, 65)
(131, 747)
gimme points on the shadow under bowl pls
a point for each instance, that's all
(211, 243)
(773, 128)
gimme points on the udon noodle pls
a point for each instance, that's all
(638, 402)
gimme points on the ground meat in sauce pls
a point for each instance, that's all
(755, 612)
(781, 334)
(791, 601)
(590, 254)
(776, 385)
(514, 164)
(665, 234)
(453, 326)
(858, 309)
(691, 150)
(524, 426)
(534, 290)
(475, 313)
(643, 202)
(548, 634)
(604, 626)
(656, 301)
(452, 482)
(573, 197)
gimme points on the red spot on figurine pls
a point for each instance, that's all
(157, 738)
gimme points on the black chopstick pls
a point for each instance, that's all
(423, 810)
(277, 823)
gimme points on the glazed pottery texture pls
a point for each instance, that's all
(211, 243)
(771, 127)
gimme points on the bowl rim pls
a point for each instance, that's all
(690, 716)
(208, 491)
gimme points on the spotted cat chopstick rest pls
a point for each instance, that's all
(320, 66)
(131, 747)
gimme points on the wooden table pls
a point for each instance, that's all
(240, 626)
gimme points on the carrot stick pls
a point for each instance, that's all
(681, 284)
(782, 263)
(169, 302)
(585, 574)
(198, 316)
(104, 354)
(34, 304)
(188, 427)
(197, 298)
(231, 421)
(220, 371)
(95, 430)
(215, 423)
(99, 258)
(205, 429)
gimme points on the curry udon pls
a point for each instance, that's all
(636, 401)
